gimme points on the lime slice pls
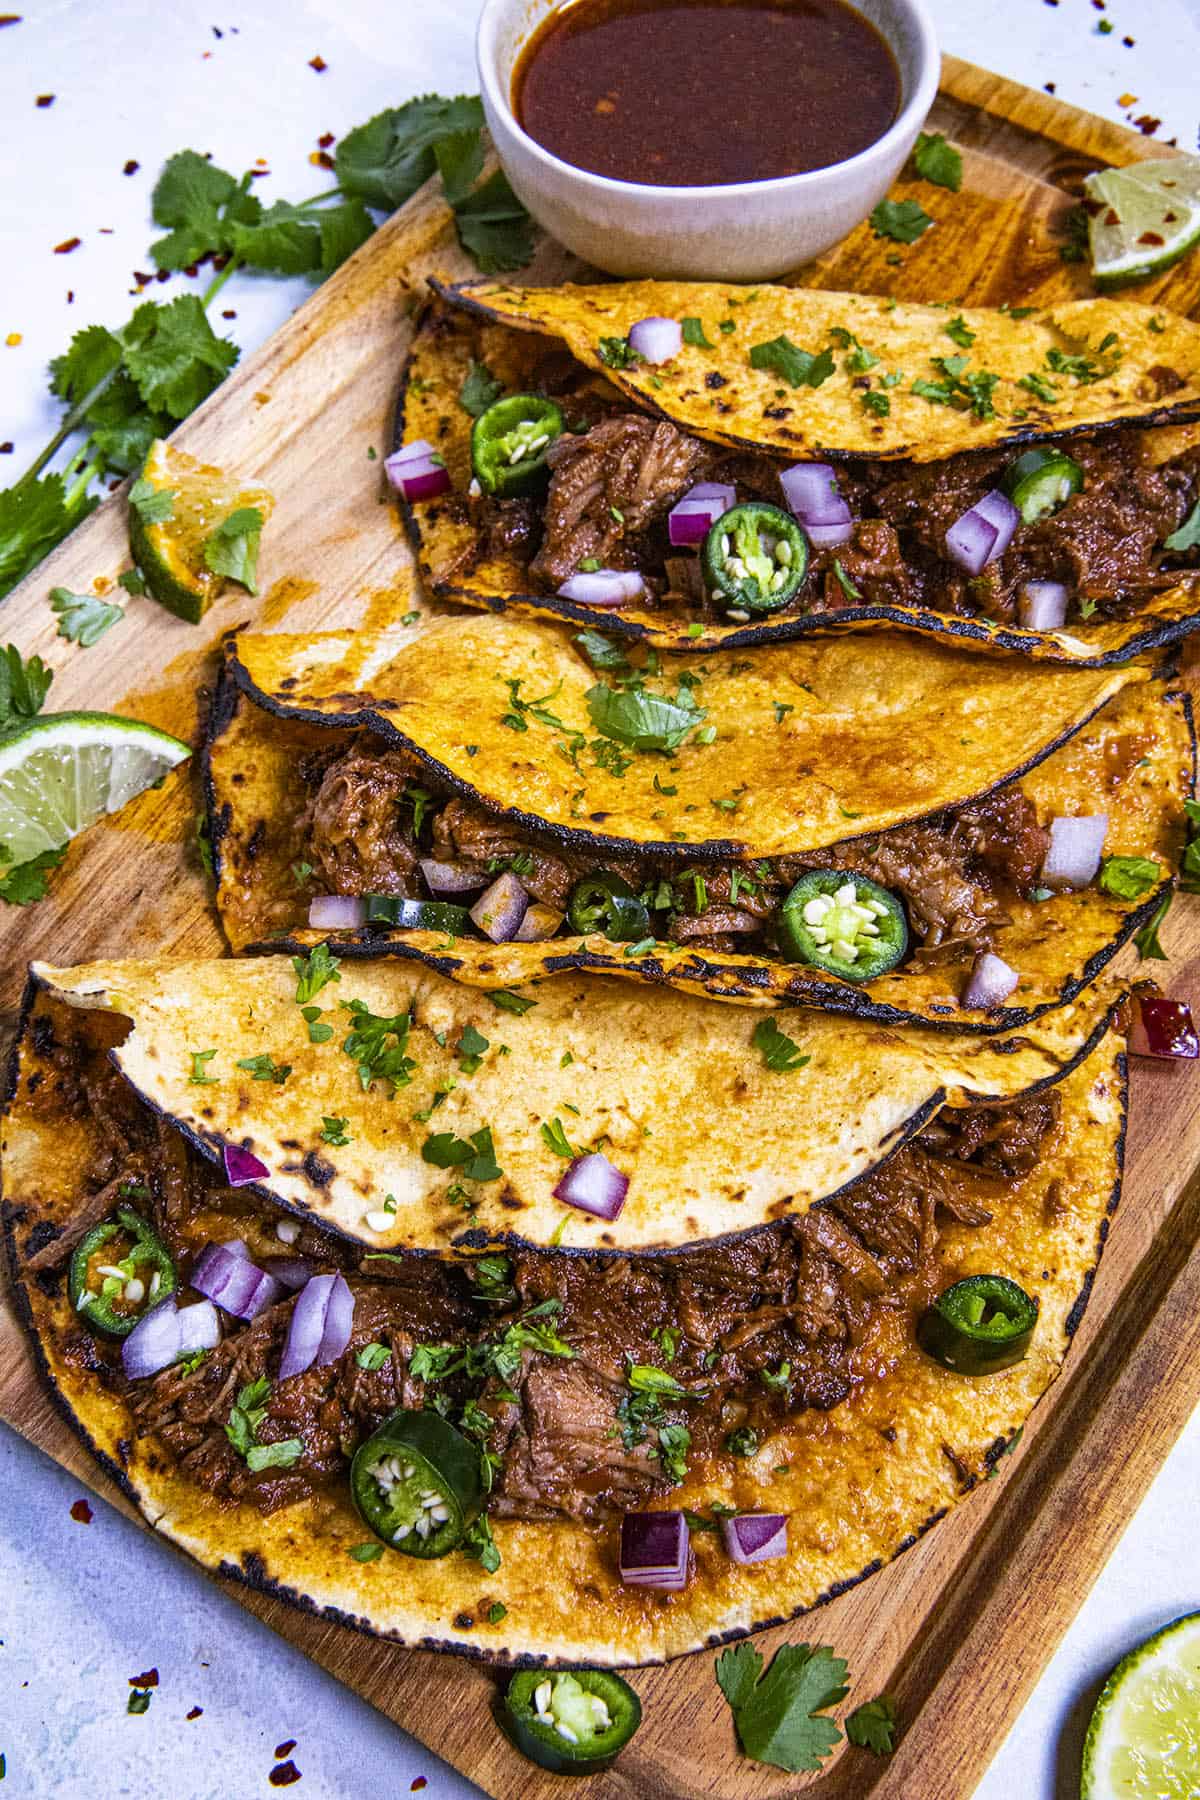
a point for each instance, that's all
(1143, 218)
(62, 772)
(170, 551)
(1144, 1739)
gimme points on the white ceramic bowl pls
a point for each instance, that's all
(749, 231)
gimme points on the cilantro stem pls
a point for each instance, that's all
(71, 422)
(218, 282)
(81, 484)
(330, 194)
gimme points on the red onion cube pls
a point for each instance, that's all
(1162, 1028)
(594, 1186)
(990, 983)
(654, 1551)
(755, 1537)
(540, 922)
(500, 908)
(321, 1323)
(1042, 605)
(656, 340)
(417, 471)
(337, 912)
(153, 1344)
(450, 878)
(692, 518)
(1076, 847)
(983, 532)
(242, 1166)
(232, 1283)
(603, 587)
(199, 1328)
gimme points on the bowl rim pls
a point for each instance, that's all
(906, 124)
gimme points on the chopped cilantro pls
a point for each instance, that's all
(1037, 384)
(83, 619)
(25, 884)
(617, 353)
(693, 333)
(1188, 535)
(475, 1155)
(479, 1544)
(776, 1714)
(960, 331)
(471, 1048)
(496, 1611)
(1128, 877)
(507, 1001)
(265, 1068)
(479, 390)
(139, 1700)
(365, 1553)
(779, 1052)
(901, 220)
(232, 549)
(317, 1033)
(742, 1442)
(373, 1356)
(314, 971)
(200, 1058)
(872, 1726)
(378, 1047)
(555, 1138)
(844, 582)
(334, 1131)
(1149, 948)
(152, 505)
(937, 161)
(876, 401)
(644, 720)
(23, 686)
(800, 368)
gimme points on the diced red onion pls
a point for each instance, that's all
(237, 1247)
(291, 1271)
(983, 532)
(594, 1186)
(990, 983)
(1042, 605)
(755, 1537)
(540, 922)
(603, 587)
(337, 912)
(199, 1328)
(242, 1166)
(236, 1285)
(691, 519)
(656, 340)
(450, 878)
(812, 494)
(320, 1326)
(1162, 1028)
(654, 1551)
(500, 908)
(1076, 846)
(414, 472)
(167, 1333)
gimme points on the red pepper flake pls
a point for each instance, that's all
(325, 139)
(44, 100)
(284, 1749)
(131, 167)
(257, 174)
(81, 1512)
(422, 1781)
(10, 18)
(105, 230)
(321, 159)
(148, 1679)
(70, 296)
(6, 449)
(1147, 125)
(1128, 43)
(195, 1713)
(1051, 87)
(229, 313)
(284, 1774)
(1126, 99)
(1099, 5)
(318, 63)
(67, 245)
(217, 32)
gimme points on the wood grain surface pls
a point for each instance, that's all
(959, 1629)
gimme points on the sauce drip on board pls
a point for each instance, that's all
(688, 93)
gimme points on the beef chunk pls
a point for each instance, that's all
(1003, 1140)
(356, 827)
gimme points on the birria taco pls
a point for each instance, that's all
(700, 464)
(524, 1453)
(881, 825)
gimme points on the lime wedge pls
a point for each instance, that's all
(1143, 218)
(1144, 1739)
(170, 551)
(62, 772)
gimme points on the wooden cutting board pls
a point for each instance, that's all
(961, 1626)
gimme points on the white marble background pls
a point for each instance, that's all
(83, 1608)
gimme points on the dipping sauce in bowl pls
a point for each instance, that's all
(697, 93)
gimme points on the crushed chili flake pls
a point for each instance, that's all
(1126, 99)
(195, 1713)
(284, 1774)
(422, 1781)
(6, 449)
(13, 339)
(44, 100)
(325, 139)
(131, 167)
(1128, 43)
(105, 230)
(1147, 125)
(229, 313)
(284, 1749)
(257, 174)
(67, 245)
(149, 1678)
(81, 1512)
(321, 159)
(1051, 87)
(217, 32)
(318, 63)
(70, 296)
(10, 18)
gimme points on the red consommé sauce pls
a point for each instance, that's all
(692, 93)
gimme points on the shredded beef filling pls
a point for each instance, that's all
(612, 486)
(790, 1317)
(359, 830)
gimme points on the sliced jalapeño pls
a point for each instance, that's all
(606, 902)
(979, 1326)
(574, 1722)
(119, 1272)
(416, 915)
(755, 558)
(843, 923)
(416, 1482)
(1041, 481)
(509, 444)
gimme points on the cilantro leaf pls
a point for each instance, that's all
(378, 1046)
(475, 1156)
(643, 720)
(95, 354)
(23, 686)
(264, 1068)
(617, 353)
(313, 972)
(26, 883)
(386, 160)
(901, 220)
(274, 1456)
(479, 390)
(34, 516)
(199, 201)
(232, 549)
(693, 333)
(174, 356)
(283, 240)
(373, 1356)
(365, 1553)
(961, 332)
(459, 157)
(799, 368)
(779, 1052)
(1149, 948)
(937, 161)
(1188, 535)
(872, 1726)
(83, 618)
(556, 1139)
(334, 1130)
(776, 1714)
(494, 227)
(1128, 877)
(343, 229)
(152, 505)
(479, 1544)
(509, 1002)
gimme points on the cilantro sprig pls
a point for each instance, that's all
(777, 1715)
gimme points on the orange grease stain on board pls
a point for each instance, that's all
(280, 597)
